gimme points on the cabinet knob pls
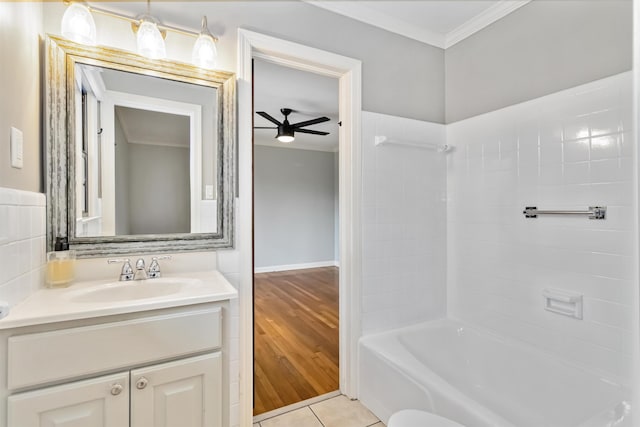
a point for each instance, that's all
(116, 389)
(141, 383)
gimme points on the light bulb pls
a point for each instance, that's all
(78, 24)
(204, 52)
(150, 41)
(285, 138)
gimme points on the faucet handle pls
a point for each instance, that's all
(154, 268)
(127, 271)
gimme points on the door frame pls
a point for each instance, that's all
(349, 73)
(110, 100)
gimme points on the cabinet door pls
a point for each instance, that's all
(184, 393)
(99, 402)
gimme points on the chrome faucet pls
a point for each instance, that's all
(141, 273)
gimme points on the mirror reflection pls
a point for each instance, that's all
(146, 154)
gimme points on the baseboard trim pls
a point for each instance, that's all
(273, 268)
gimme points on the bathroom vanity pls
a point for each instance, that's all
(118, 353)
(76, 356)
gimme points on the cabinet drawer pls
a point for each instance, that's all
(58, 355)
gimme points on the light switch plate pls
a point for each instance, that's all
(208, 192)
(16, 148)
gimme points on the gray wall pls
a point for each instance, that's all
(401, 76)
(159, 195)
(20, 33)
(541, 48)
(294, 206)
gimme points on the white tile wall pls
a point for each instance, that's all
(228, 263)
(404, 224)
(568, 150)
(22, 244)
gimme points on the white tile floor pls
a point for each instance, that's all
(338, 411)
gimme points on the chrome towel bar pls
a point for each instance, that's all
(594, 212)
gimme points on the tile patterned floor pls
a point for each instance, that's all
(338, 411)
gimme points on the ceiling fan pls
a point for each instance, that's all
(286, 130)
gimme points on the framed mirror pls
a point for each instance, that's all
(140, 154)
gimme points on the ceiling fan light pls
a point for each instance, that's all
(150, 41)
(285, 138)
(285, 133)
(78, 24)
(204, 53)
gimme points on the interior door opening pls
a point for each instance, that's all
(296, 236)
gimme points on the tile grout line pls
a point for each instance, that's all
(316, 415)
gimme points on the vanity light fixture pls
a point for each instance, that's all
(204, 53)
(78, 25)
(149, 39)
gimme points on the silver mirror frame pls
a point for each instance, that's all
(62, 55)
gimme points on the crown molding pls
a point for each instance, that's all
(483, 20)
(373, 17)
(381, 20)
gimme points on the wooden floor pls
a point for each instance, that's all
(296, 336)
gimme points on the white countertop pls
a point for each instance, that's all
(57, 305)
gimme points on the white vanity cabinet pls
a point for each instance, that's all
(163, 368)
(184, 393)
(99, 402)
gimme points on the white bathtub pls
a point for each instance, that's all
(480, 379)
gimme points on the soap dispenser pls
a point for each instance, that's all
(60, 265)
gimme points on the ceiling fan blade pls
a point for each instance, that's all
(264, 127)
(312, 132)
(268, 117)
(311, 122)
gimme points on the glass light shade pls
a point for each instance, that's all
(150, 41)
(285, 138)
(78, 24)
(204, 53)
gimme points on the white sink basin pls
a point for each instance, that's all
(133, 290)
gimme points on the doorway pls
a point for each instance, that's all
(296, 236)
(349, 72)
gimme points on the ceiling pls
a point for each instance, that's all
(440, 23)
(309, 95)
(153, 127)
(144, 126)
